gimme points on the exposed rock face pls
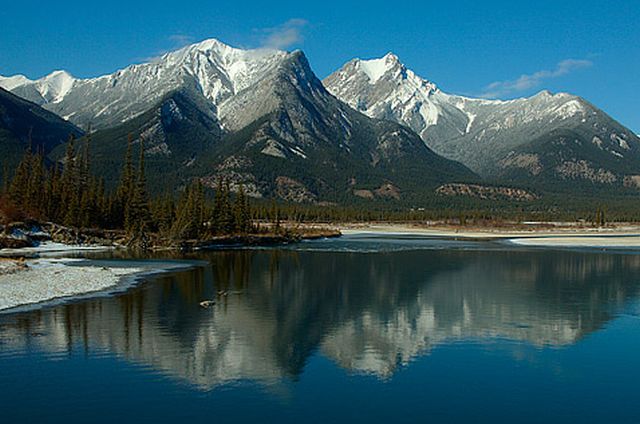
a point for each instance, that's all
(388, 190)
(526, 161)
(584, 170)
(365, 194)
(486, 192)
(632, 181)
(209, 68)
(293, 191)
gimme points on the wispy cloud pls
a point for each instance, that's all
(180, 40)
(284, 36)
(527, 82)
(174, 41)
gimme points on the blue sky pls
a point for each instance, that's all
(497, 48)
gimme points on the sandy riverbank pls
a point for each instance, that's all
(551, 235)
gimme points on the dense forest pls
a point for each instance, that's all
(69, 194)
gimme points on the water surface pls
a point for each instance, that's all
(359, 329)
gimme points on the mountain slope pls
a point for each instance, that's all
(284, 137)
(517, 140)
(174, 132)
(22, 122)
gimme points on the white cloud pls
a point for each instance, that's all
(284, 36)
(527, 82)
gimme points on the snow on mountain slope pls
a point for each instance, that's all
(9, 83)
(384, 88)
(477, 132)
(211, 68)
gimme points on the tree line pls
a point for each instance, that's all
(66, 192)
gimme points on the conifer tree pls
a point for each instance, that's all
(242, 215)
(20, 181)
(189, 222)
(138, 217)
(125, 188)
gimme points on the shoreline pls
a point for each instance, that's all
(49, 275)
(40, 282)
(551, 236)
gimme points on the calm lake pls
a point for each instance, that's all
(359, 329)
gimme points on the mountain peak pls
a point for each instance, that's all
(209, 44)
(9, 83)
(56, 85)
(377, 68)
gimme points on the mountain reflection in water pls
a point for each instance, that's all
(368, 312)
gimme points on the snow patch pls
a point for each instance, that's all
(376, 68)
(273, 148)
(298, 151)
(472, 117)
(621, 142)
(569, 109)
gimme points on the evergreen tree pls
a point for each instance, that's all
(20, 182)
(138, 217)
(120, 203)
(242, 215)
(189, 222)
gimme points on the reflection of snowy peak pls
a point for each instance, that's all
(292, 305)
(482, 133)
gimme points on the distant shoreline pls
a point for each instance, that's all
(546, 235)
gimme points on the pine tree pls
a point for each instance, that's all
(242, 215)
(20, 182)
(124, 192)
(189, 222)
(70, 190)
(138, 217)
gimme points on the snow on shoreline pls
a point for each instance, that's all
(52, 247)
(46, 280)
(39, 282)
(590, 242)
(588, 238)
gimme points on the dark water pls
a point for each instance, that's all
(362, 329)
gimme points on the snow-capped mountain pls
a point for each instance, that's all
(492, 137)
(369, 131)
(211, 68)
(258, 117)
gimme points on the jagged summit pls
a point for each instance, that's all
(527, 138)
(211, 68)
